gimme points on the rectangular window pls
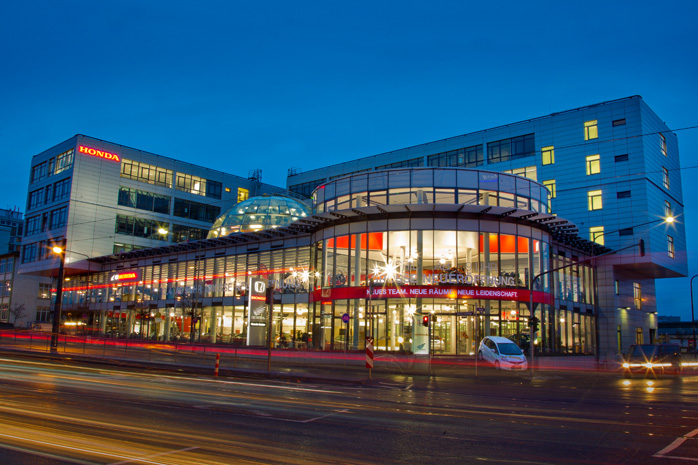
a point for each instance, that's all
(140, 227)
(591, 130)
(33, 225)
(548, 155)
(626, 232)
(29, 253)
(665, 177)
(43, 314)
(181, 233)
(144, 200)
(619, 122)
(550, 184)
(638, 336)
(214, 189)
(670, 245)
(415, 162)
(35, 198)
(510, 149)
(61, 189)
(623, 194)
(59, 218)
(38, 172)
(44, 291)
(244, 194)
(637, 294)
(593, 164)
(596, 234)
(616, 287)
(662, 144)
(595, 200)
(64, 161)
(304, 189)
(146, 173)
(667, 209)
(530, 172)
(195, 210)
(623, 157)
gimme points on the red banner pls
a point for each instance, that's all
(433, 292)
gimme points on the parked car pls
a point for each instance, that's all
(502, 353)
(652, 359)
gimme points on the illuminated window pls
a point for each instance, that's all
(596, 234)
(665, 177)
(637, 293)
(616, 287)
(670, 246)
(550, 184)
(530, 172)
(548, 155)
(591, 130)
(243, 194)
(667, 209)
(227, 189)
(595, 202)
(593, 164)
(662, 144)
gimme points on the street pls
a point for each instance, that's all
(56, 412)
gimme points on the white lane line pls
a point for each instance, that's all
(676, 443)
(310, 419)
(153, 455)
(408, 387)
(80, 449)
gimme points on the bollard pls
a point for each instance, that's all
(218, 360)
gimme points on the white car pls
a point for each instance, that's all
(502, 353)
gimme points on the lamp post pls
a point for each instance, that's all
(59, 250)
(693, 318)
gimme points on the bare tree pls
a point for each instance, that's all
(190, 307)
(17, 311)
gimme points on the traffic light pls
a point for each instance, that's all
(642, 247)
(425, 320)
(533, 323)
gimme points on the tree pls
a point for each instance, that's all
(190, 307)
(17, 311)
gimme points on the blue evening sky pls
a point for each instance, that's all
(240, 85)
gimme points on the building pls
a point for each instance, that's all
(24, 299)
(103, 198)
(611, 168)
(429, 248)
(11, 230)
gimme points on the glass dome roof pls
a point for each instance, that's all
(258, 213)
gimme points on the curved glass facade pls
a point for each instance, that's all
(431, 186)
(258, 213)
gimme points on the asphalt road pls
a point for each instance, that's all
(62, 411)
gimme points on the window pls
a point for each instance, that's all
(195, 210)
(29, 253)
(670, 246)
(10, 267)
(121, 248)
(415, 162)
(64, 161)
(596, 234)
(623, 194)
(33, 225)
(637, 294)
(616, 287)
(509, 149)
(593, 164)
(638, 336)
(665, 177)
(214, 189)
(591, 130)
(43, 314)
(667, 209)
(619, 122)
(182, 233)
(59, 218)
(140, 227)
(623, 157)
(44, 291)
(595, 201)
(626, 232)
(35, 198)
(61, 189)
(144, 172)
(550, 184)
(662, 144)
(4, 312)
(244, 194)
(469, 157)
(548, 155)
(143, 200)
(530, 172)
(304, 189)
(39, 172)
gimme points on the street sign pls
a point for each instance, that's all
(345, 318)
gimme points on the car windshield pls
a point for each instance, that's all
(509, 348)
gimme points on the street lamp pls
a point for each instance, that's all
(59, 250)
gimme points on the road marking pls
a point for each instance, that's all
(408, 387)
(676, 443)
(154, 455)
(309, 419)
